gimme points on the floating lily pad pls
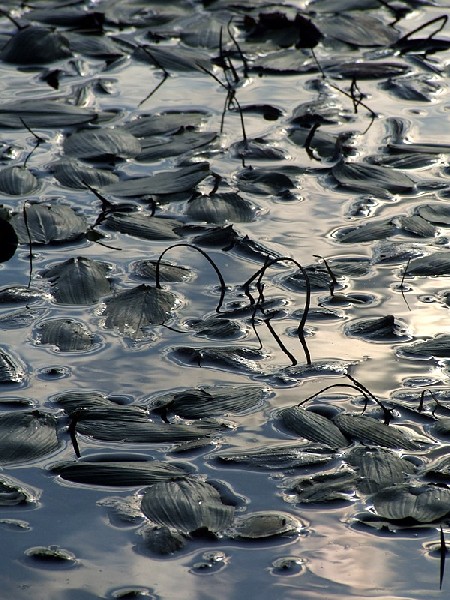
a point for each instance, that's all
(165, 122)
(174, 58)
(72, 173)
(313, 427)
(234, 358)
(162, 540)
(132, 310)
(324, 487)
(17, 181)
(35, 45)
(424, 503)
(187, 505)
(379, 329)
(437, 347)
(102, 144)
(42, 112)
(49, 224)
(144, 226)
(78, 281)
(12, 370)
(261, 181)
(117, 473)
(196, 403)
(437, 263)
(266, 524)
(372, 178)
(221, 208)
(273, 456)
(66, 335)
(370, 431)
(163, 183)
(378, 468)
(168, 272)
(27, 436)
(182, 142)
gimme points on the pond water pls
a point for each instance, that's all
(132, 357)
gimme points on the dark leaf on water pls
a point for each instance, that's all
(163, 183)
(368, 430)
(221, 208)
(78, 281)
(49, 224)
(325, 144)
(284, 62)
(117, 473)
(234, 358)
(404, 160)
(378, 468)
(72, 401)
(372, 178)
(313, 427)
(94, 46)
(27, 436)
(257, 149)
(162, 540)
(174, 58)
(438, 214)
(196, 403)
(35, 46)
(379, 329)
(132, 310)
(416, 87)
(143, 225)
(261, 181)
(437, 347)
(102, 144)
(167, 271)
(14, 493)
(360, 29)
(128, 424)
(324, 487)
(439, 469)
(45, 113)
(424, 503)
(187, 505)
(372, 230)
(273, 456)
(416, 225)
(186, 141)
(164, 123)
(366, 70)
(12, 370)
(9, 242)
(266, 524)
(216, 327)
(434, 264)
(67, 335)
(74, 174)
(17, 181)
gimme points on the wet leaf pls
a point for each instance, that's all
(35, 45)
(66, 335)
(144, 225)
(360, 29)
(78, 281)
(370, 431)
(163, 183)
(187, 505)
(366, 70)
(49, 224)
(48, 114)
(221, 208)
(266, 524)
(324, 487)
(273, 456)
(167, 271)
(372, 178)
(437, 347)
(234, 358)
(9, 242)
(313, 427)
(27, 436)
(132, 310)
(127, 424)
(173, 58)
(424, 504)
(196, 403)
(117, 473)
(437, 263)
(416, 225)
(380, 329)
(165, 122)
(216, 327)
(12, 370)
(102, 144)
(72, 401)
(375, 230)
(438, 214)
(73, 174)
(17, 181)
(163, 540)
(261, 181)
(15, 493)
(378, 468)
(185, 141)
